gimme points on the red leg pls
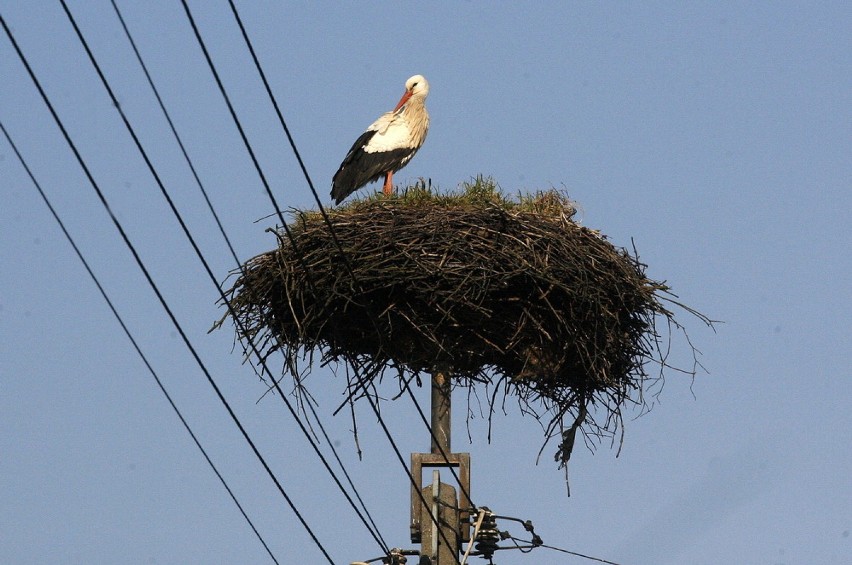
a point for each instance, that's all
(388, 188)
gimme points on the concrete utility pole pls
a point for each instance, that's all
(442, 524)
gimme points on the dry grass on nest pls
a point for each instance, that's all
(509, 292)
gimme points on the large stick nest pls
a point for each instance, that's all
(512, 293)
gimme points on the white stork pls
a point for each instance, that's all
(387, 145)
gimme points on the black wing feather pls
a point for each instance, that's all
(360, 167)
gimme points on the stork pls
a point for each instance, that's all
(388, 144)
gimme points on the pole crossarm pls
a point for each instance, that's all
(419, 461)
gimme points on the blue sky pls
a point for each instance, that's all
(717, 136)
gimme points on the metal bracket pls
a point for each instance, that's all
(434, 460)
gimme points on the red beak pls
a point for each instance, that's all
(403, 100)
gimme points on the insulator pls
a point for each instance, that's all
(395, 557)
(488, 536)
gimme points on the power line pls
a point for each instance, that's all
(274, 202)
(277, 110)
(345, 472)
(286, 129)
(537, 542)
(224, 234)
(174, 131)
(150, 280)
(327, 220)
(212, 277)
(376, 535)
(133, 340)
(157, 292)
(589, 557)
(176, 135)
(240, 129)
(233, 113)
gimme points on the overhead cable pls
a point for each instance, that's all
(129, 335)
(151, 282)
(331, 230)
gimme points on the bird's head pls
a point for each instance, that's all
(417, 86)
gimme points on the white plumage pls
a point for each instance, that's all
(392, 132)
